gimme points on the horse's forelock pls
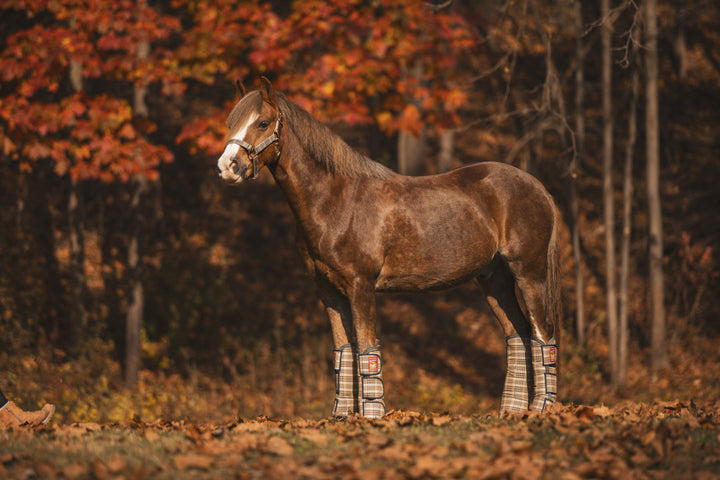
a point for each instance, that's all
(252, 102)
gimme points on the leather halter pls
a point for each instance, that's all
(255, 151)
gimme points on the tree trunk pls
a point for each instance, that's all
(134, 318)
(447, 151)
(411, 149)
(411, 153)
(623, 333)
(21, 195)
(574, 176)
(608, 200)
(680, 44)
(77, 321)
(652, 136)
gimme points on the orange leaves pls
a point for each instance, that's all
(341, 60)
(371, 49)
(384, 120)
(455, 99)
(571, 442)
(410, 120)
(204, 134)
(37, 150)
(86, 136)
(127, 132)
(220, 36)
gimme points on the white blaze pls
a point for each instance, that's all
(232, 149)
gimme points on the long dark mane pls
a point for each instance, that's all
(326, 147)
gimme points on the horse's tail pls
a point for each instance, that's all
(553, 291)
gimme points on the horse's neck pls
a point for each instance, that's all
(304, 181)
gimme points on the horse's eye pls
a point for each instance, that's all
(264, 124)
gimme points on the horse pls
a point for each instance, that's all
(364, 229)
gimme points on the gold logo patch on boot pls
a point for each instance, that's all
(549, 354)
(373, 364)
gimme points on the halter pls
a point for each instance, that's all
(255, 151)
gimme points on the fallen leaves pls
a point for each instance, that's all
(632, 440)
(187, 461)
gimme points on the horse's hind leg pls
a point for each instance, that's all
(499, 289)
(543, 343)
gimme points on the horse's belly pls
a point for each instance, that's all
(416, 284)
(413, 275)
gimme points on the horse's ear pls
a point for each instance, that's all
(240, 89)
(268, 93)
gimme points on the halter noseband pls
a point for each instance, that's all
(255, 151)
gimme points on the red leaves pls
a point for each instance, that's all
(205, 134)
(220, 37)
(324, 50)
(332, 58)
(87, 137)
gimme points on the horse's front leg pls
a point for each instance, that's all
(371, 389)
(337, 308)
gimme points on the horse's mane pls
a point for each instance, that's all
(326, 147)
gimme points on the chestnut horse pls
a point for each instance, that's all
(362, 229)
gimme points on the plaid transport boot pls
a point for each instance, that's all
(371, 400)
(544, 359)
(344, 368)
(516, 392)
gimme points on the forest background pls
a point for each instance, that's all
(133, 283)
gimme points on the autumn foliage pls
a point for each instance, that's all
(390, 63)
(87, 135)
(402, 55)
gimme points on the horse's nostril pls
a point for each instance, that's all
(218, 171)
(234, 167)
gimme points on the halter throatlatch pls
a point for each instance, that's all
(255, 151)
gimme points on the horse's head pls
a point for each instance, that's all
(254, 128)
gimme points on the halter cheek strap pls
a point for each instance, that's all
(255, 151)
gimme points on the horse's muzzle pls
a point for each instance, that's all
(229, 168)
(232, 177)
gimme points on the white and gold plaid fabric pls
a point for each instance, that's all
(516, 392)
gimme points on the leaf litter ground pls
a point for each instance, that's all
(631, 440)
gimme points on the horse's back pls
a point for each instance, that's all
(500, 177)
(515, 202)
